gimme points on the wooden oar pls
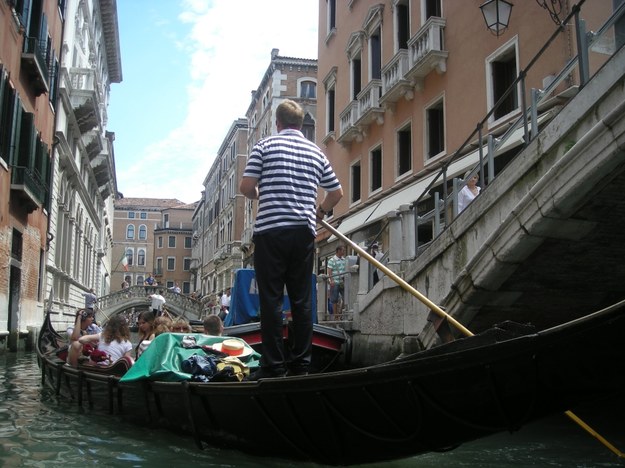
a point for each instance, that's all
(441, 313)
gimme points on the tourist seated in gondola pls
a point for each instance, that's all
(181, 325)
(111, 344)
(213, 325)
(145, 322)
(84, 324)
(162, 324)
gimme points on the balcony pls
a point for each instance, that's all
(395, 85)
(34, 65)
(425, 51)
(28, 188)
(369, 109)
(85, 96)
(348, 130)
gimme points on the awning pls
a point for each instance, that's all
(410, 193)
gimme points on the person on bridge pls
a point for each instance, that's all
(468, 193)
(90, 299)
(284, 172)
(158, 301)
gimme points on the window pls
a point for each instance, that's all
(308, 128)
(7, 104)
(171, 241)
(356, 71)
(402, 20)
(329, 84)
(331, 15)
(143, 232)
(330, 107)
(355, 182)
(130, 231)
(187, 242)
(186, 287)
(404, 151)
(375, 52)
(166, 220)
(435, 129)
(501, 73)
(130, 256)
(171, 263)
(308, 90)
(160, 242)
(144, 215)
(140, 280)
(141, 257)
(170, 284)
(186, 264)
(131, 215)
(375, 166)
(433, 8)
(159, 266)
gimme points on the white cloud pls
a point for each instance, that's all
(227, 47)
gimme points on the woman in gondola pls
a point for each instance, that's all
(113, 342)
(146, 331)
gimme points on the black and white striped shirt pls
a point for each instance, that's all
(289, 169)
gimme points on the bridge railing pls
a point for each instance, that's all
(446, 204)
(178, 303)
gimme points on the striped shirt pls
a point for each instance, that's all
(289, 169)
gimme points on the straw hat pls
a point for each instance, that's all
(233, 347)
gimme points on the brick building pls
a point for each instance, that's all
(30, 47)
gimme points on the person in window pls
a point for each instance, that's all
(468, 192)
(283, 172)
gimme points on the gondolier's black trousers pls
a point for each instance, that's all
(285, 257)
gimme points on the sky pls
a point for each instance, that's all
(188, 70)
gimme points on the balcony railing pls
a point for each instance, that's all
(348, 129)
(369, 109)
(86, 97)
(34, 64)
(394, 82)
(425, 51)
(28, 187)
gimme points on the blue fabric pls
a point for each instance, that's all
(244, 302)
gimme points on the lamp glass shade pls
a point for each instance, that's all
(496, 15)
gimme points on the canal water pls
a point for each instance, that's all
(37, 430)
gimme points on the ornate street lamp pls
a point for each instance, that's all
(497, 15)
(554, 7)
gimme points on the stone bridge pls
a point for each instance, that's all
(544, 243)
(137, 297)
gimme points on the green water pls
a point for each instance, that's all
(36, 430)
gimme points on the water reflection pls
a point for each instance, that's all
(37, 430)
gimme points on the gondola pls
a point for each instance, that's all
(498, 380)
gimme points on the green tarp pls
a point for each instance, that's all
(163, 358)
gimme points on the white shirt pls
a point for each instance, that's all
(115, 349)
(225, 300)
(465, 196)
(157, 301)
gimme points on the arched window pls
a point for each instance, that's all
(308, 128)
(130, 231)
(141, 257)
(143, 232)
(140, 280)
(308, 90)
(130, 257)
